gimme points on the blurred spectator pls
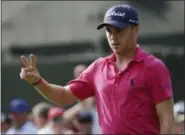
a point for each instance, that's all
(5, 123)
(90, 103)
(56, 123)
(30, 117)
(95, 126)
(79, 69)
(179, 117)
(84, 122)
(40, 115)
(179, 107)
(19, 110)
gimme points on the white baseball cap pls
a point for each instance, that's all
(179, 107)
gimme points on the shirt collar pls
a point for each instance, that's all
(139, 56)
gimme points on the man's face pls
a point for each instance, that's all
(17, 117)
(119, 39)
(39, 121)
(78, 70)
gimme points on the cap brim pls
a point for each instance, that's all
(113, 23)
(20, 110)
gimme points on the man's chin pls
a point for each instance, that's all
(117, 51)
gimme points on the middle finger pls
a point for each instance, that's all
(29, 69)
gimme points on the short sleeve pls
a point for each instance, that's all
(159, 81)
(83, 86)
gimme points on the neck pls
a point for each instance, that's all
(126, 56)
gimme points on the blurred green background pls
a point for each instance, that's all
(63, 34)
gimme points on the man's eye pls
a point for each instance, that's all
(118, 30)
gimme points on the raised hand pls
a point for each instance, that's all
(29, 72)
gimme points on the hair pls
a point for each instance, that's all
(87, 118)
(44, 113)
(41, 110)
(133, 25)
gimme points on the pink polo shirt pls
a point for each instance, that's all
(126, 100)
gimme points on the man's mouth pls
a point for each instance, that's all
(115, 44)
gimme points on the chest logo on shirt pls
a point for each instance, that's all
(166, 86)
(132, 83)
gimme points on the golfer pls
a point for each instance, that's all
(132, 87)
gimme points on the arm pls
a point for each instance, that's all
(80, 88)
(161, 90)
(165, 114)
(55, 93)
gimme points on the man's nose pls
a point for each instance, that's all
(113, 36)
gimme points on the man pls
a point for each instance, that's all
(40, 115)
(19, 110)
(87, 105)
(84, 122)
(132, 87)
(55, 124)
(78, 69)
(95, 126)
(5, 123)
(179, 117)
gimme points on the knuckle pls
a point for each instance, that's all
(30, 69)
(22, 69)
(27, 69)
(22, 75)
(28, 73)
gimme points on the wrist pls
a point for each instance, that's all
(37, 82)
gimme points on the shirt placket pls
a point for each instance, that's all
(113, 96)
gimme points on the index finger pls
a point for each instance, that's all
(33, 61)
(25, 61)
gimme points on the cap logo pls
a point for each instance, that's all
(133, 21)
(114, 13)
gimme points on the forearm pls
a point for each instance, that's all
(55, 93)
(166, 125)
